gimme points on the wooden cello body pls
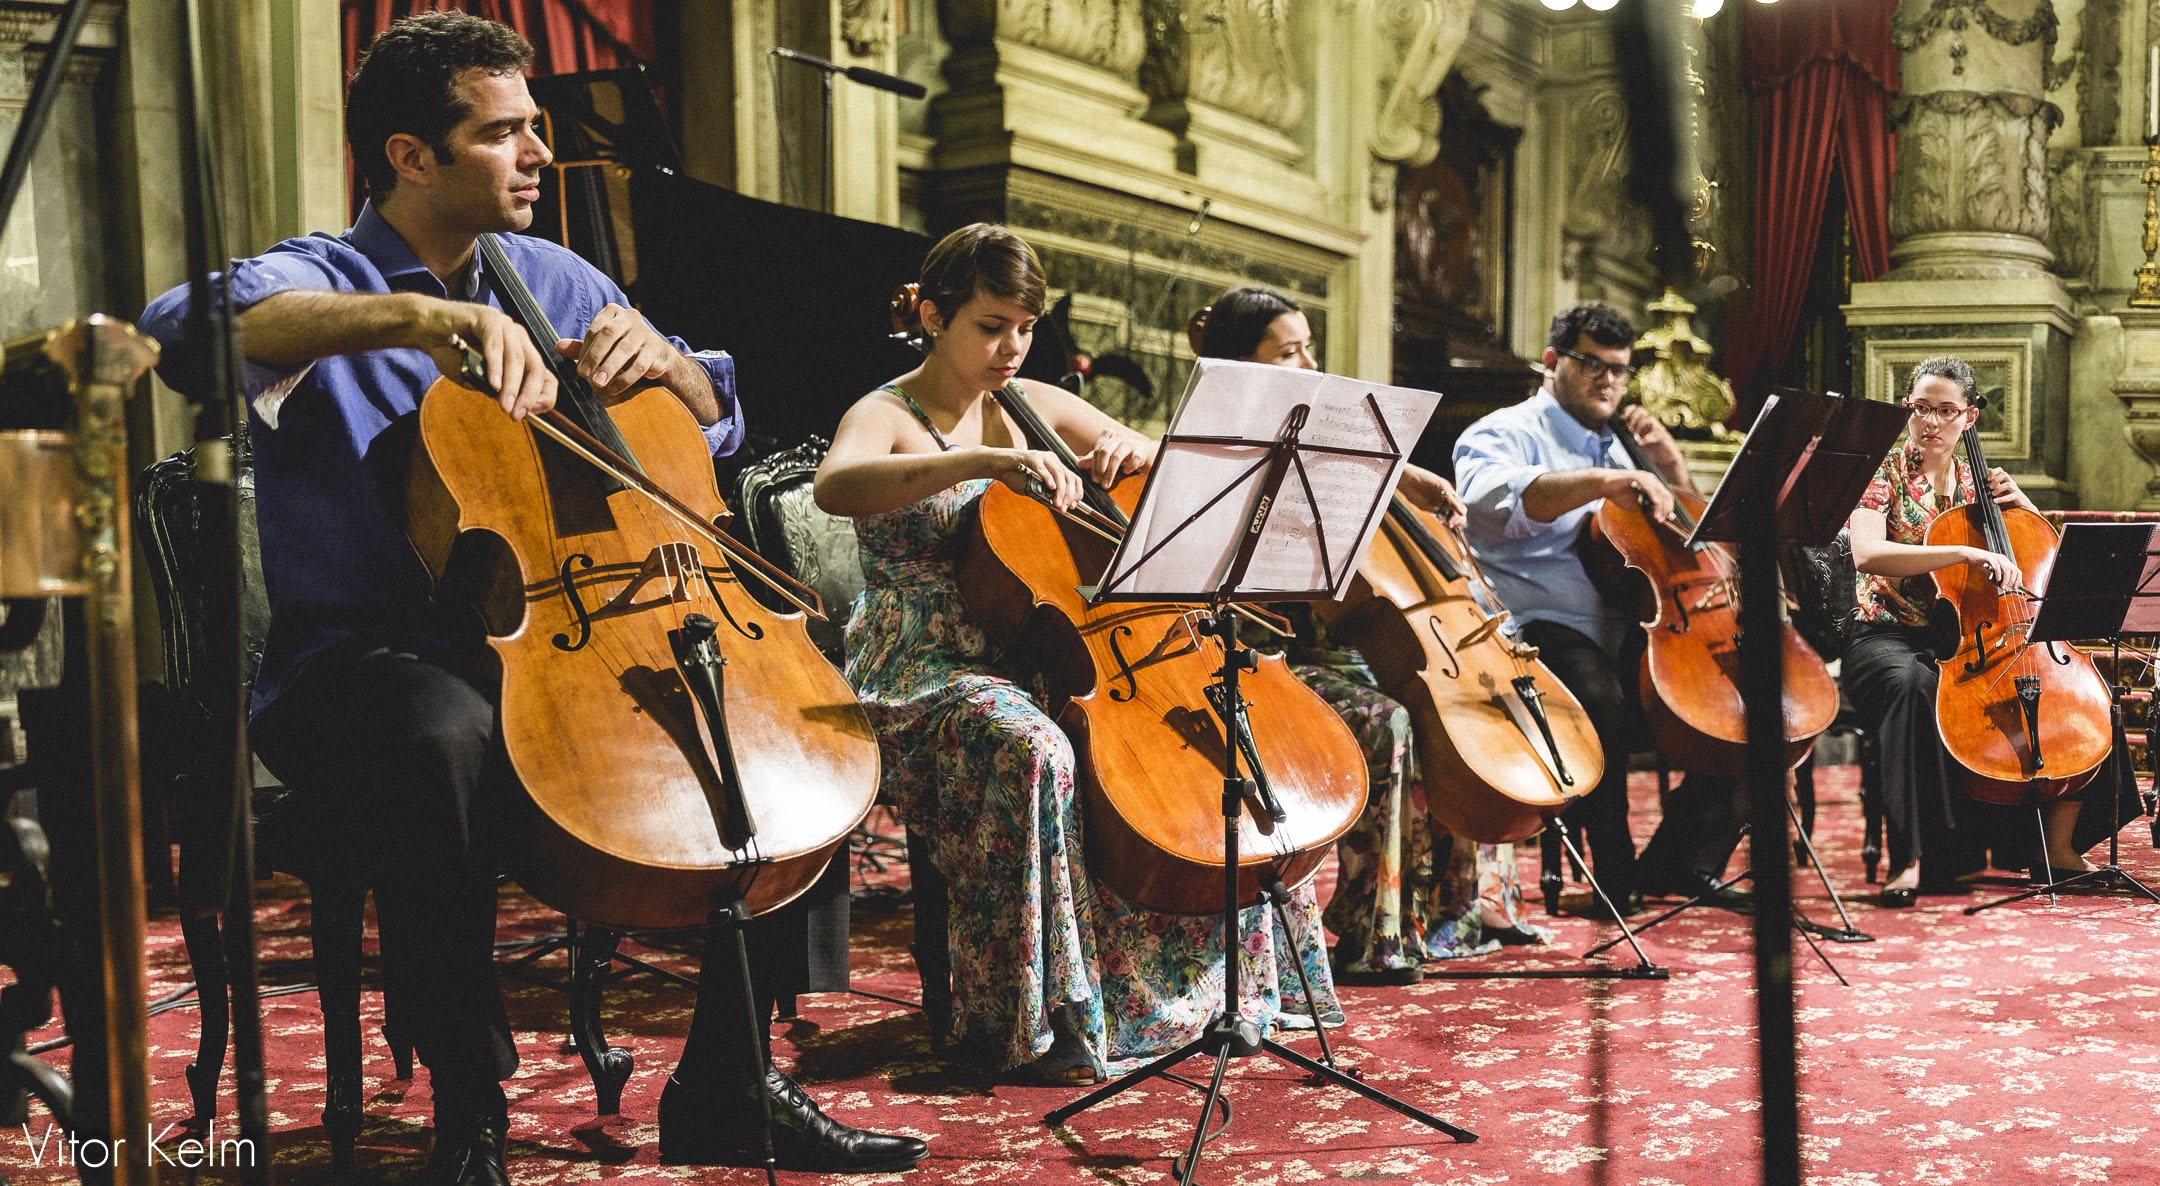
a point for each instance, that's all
(1127, 682)
(647, 814)
(1502, 743)
(2025, 722)
(1690, 672)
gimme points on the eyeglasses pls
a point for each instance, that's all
(1618, 372)
(1937, 412)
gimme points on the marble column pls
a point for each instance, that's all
(1969, 206)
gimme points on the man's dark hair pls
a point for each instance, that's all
(1239, 319)
(407, 83)
(1946, 366)
(1606, 326)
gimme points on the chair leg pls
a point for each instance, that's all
(206, 957)
(1551, 873)
(933, 956)
(396, 998)
(1871, 806)
(338, 908)
(592, 955)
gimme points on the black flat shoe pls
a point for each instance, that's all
(722, 1128)
(468, 1152)
(1898, 899)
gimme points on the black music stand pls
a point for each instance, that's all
(2118, 573)
(1237, 530)
(1818, 453)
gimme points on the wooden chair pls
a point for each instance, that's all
(179, 539)
(782, 521)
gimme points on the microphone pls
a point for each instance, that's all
(1199, 216)
(876, 79)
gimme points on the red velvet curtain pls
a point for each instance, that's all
(1823, 73)
(567, 35)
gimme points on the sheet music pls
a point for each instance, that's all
(1254, 402)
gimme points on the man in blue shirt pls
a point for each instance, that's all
(370, 692)
(1532, 475)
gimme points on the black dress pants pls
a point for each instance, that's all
(1890, 674)
(412, 753)
(1702, 816)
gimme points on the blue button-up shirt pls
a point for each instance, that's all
(336, 563)
(1536, 567)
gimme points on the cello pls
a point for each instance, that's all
(1129, 684)
(1690, 668)
(683, 746)
(1504, 746)
(2024, 722)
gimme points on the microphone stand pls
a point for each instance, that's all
(875, 79)
(220, 452)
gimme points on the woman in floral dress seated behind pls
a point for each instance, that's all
(1055, 978)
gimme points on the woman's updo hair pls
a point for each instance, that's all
(982, 257)
(1238, 320)
(1951, 367)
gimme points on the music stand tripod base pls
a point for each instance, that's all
(1230, 1035)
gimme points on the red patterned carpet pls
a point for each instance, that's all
(2022, 1046)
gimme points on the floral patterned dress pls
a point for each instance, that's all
(987, 778)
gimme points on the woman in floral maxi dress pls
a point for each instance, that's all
(1407, 890)
(1053, 975)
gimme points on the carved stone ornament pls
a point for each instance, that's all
(1971, 162)
(1955, 16)
(1418, 40)
(1103, 33)
(866, 26)
(1231, 54)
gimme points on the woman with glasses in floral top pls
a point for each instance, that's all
(1890, 670)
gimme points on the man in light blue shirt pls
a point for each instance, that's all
(1532, 475)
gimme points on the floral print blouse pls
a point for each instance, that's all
(1909, 504)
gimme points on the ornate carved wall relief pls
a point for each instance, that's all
(866, 25)
(1419, 40)
(1101, 33)
(1230, 54)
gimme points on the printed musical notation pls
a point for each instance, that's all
(1207, 491)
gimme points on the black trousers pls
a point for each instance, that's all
(411, 752)
(1703, 814)
(1891, 674)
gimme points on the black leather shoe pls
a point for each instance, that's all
(726, 1129)
(1693, 884)
(468, 1152)
(1899, 899)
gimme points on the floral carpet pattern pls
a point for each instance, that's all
(2018, 1046)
